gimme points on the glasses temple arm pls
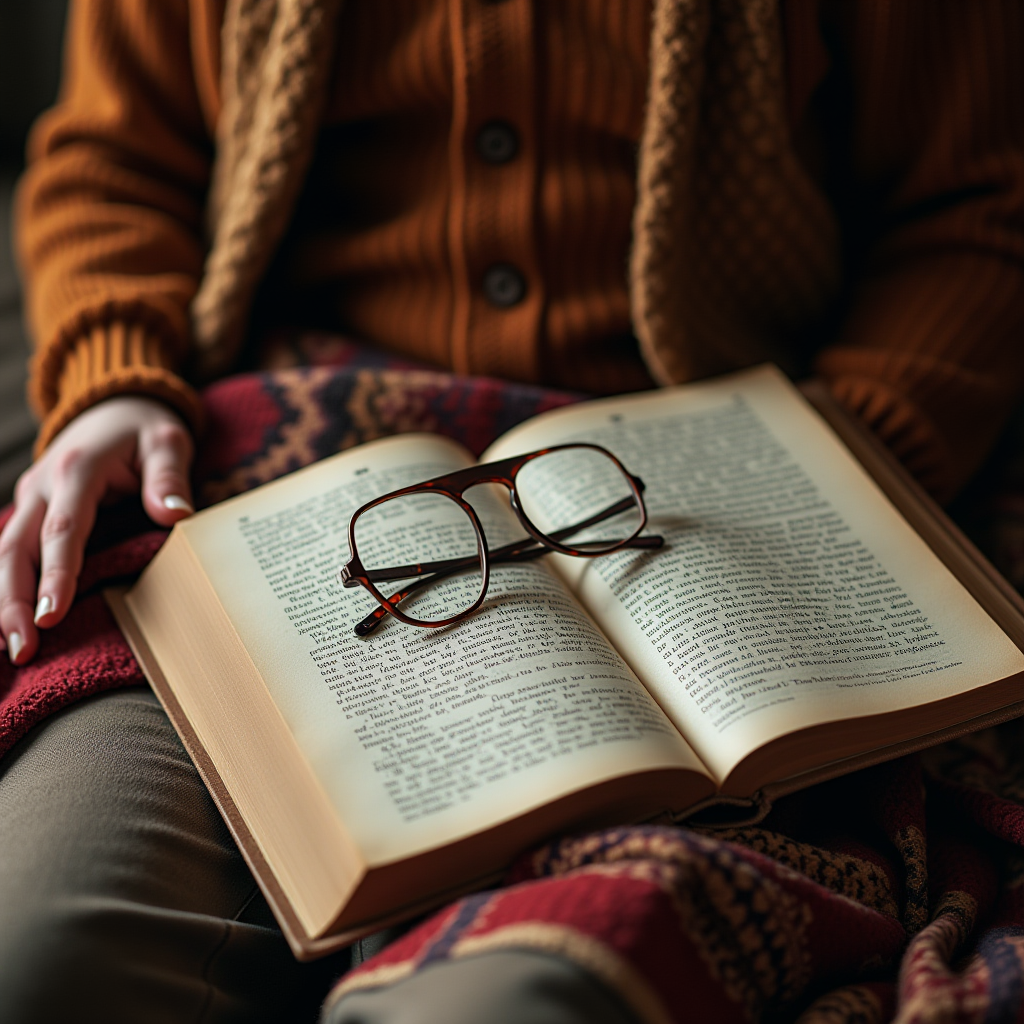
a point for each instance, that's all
(520, 551)
(530, 550)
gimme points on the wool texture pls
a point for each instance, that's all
(734, 245)
(784, 148)
(276, 58)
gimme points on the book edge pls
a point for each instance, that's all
(303, 945)
(985, 584)
(880, 755)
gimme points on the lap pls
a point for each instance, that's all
(122, 895)
(506, 987)
(124, 898)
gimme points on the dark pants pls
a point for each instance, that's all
(124, 898)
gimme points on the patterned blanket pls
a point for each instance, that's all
(896, 893)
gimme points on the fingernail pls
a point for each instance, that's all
(15, 645)
(176, 503)
(44, 607)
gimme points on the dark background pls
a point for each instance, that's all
(30, 48)
(30, 42)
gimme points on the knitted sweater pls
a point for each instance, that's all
(161, 185)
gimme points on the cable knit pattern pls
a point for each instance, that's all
(734, 246)
(276, 60)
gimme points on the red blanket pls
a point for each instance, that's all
(895, 893)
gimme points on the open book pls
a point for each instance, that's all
(795, 626)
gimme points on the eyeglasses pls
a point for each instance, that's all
(577, 499)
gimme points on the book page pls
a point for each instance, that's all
(421, 736)
(790, 592)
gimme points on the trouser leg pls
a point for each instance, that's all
(506, 987)
(122, 895)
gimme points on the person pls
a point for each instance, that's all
(838, 187)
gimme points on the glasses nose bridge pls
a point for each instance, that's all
(503, 481)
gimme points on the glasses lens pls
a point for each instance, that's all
(580, 498)
(423, 544)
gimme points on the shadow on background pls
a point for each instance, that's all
(30, 46)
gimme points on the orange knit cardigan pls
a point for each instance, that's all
(161, 184)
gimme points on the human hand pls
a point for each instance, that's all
(110, 450)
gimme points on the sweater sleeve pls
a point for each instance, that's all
(931, 354)
(109, 214)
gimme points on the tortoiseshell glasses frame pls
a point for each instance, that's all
(536, 544)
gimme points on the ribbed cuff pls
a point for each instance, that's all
(116, 359)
